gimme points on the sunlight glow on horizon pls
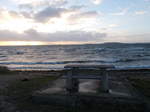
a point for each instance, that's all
(32, 43)
(20, 43)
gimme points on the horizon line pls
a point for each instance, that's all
(76, 44)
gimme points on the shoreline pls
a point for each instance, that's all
(135, 67)
(123, 72)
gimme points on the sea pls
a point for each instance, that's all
(55, 57)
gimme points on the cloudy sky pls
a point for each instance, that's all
(32, 22)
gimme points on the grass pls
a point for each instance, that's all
(4, 70)
(20, 93)
(143, 85)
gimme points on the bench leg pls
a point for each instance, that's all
(72, 84)
(105, 85)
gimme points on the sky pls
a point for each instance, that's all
(40, 22)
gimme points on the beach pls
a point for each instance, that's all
(27, 69)
(17, 88)
(74, 56)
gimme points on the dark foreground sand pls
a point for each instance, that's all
(16, 89)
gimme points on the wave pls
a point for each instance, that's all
(36, 68)
(74, 62)
(1, 56)
(132, 59)
(45, 63)
(132, 67)
(20, 53)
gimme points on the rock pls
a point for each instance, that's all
(25, 79)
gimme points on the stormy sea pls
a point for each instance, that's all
(55, 57)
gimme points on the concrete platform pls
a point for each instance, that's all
(89, 92)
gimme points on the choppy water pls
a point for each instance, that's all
(56, 56)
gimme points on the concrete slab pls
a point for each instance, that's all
(89, 90)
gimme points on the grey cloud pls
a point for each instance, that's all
(60, 3)
(14, 14)
(52, 11)
(26, 6)
(89, 14)
(73, 19)
(42, 3)
(11, 13)
(55, 12)
(79, 36)
(6, 35)
(77, 6)
(33, 35)
(26, 14)
(47, 13)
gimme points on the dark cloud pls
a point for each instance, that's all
(33, 35)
